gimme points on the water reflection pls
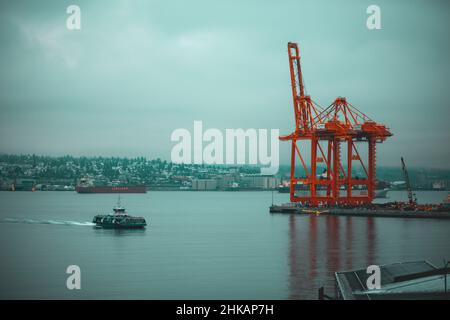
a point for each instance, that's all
(313, 247)
(332, 249)
(119, 232)
(321, 245)
(370, 241)
(348, 242)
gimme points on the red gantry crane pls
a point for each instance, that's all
(325, 130)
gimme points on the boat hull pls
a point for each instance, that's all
(112, 189)
(115, 226)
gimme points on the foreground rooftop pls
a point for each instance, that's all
(399, 281)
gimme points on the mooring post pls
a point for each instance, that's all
(446, 263)
(321, 293)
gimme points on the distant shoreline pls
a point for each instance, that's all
(191, 190)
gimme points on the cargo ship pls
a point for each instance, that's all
(86, 185)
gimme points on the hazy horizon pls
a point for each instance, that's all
(282, 165)
(138, 70)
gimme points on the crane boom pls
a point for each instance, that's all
(408, 183)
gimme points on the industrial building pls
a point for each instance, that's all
(260, 182)
(204, 184)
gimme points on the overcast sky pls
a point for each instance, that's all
(137, 70)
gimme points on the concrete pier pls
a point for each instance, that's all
(359, 212)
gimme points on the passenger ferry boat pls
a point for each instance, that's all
(119, 219)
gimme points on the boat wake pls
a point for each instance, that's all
(55, 222)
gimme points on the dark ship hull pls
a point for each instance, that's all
(111, 189)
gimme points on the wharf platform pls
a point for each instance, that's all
(360, 211)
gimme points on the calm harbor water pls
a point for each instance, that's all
(199, 245)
